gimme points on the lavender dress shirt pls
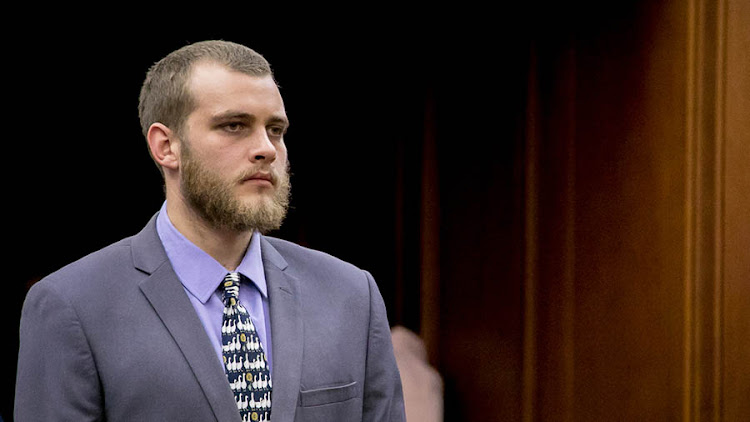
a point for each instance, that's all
(201, 276)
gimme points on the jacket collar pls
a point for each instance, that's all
(287, 329)
(164, 291)
(167, 296)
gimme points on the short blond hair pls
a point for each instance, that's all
(165, 97)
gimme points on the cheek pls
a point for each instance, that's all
(281, 155)
(221, 168)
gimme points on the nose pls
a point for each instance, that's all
(262, 149)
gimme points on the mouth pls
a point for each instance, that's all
(260, 178)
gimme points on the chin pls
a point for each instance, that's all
(256, 200)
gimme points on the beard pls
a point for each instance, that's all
(214, 200)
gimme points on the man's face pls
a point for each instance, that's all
(233, 160)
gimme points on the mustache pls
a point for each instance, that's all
(268, 173)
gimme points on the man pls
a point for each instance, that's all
(200, 317)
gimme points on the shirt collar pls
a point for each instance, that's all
(200, 273)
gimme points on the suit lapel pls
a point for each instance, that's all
(165, 293)
(287, 331)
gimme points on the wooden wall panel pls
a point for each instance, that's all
(548, 229)
(704, 202)
(479, 119)
(629, 198)
(736, 245)
(636, 238)
(595, 266)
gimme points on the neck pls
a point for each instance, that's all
(225, 246)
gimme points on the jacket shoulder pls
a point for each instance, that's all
(302, 257)
(92, 271)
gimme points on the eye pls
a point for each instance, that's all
(277, 131)
(233, 127)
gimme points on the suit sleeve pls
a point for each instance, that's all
(383, 395)
(57, 379)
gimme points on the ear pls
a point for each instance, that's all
(164, 146)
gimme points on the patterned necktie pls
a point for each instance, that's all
(244, 359)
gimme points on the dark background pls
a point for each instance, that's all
(552, 194)
(364, 91)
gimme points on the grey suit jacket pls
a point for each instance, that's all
(114, 337)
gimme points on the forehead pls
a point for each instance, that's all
(216, 88)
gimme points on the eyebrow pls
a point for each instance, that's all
(241, 115)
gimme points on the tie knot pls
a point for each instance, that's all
(231, 286)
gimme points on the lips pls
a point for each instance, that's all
(260, 176)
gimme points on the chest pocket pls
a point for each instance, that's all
(328, 395)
